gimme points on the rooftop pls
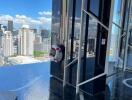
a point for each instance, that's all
(22, 60)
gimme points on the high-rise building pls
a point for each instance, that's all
(10, 25)
(38, 39)
(7, 44)
(1, 33)
(3, 28)
(0, 26)
(44, 34)
(34, 30)
(25, 41)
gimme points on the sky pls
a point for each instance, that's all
(36, 13)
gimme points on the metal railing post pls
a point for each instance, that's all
(80, 52)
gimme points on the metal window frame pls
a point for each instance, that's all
(66, 65)
(120, 27)
(78, 84)
(123, 33)
(109, 37)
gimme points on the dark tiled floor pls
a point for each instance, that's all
(115, 90)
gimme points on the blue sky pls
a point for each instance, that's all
(30, 10)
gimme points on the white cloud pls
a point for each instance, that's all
(45, 19)
(45, 13)
(19, 20)
(5, 17)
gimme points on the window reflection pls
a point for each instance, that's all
(130, 38)
(94, 6)
(77, 28)
(92, 36)
(122, 47)
(74, 28)
(56, 21)
(117, 12)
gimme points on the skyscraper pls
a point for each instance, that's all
(7, 44)
(25, 41)
(1, 33)
(44, 34)
(10, 25)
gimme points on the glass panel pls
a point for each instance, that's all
(24, 33)
(117, 12)
(56, 18)
(94, 6)
(129, 53)
(25, 28)
(70, 11)
(129, 57)
(74, 28)
(122, 47)
(95, 42)
(77, 28)
(130, 38)
(115, 43)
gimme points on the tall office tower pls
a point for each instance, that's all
(1, 34)
(0, 26)
(4, 28)
(44, 34)
(10, 25)
(25, 41)
(7, 44)
(34, 30)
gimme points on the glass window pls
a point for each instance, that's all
(56, 18)
(70, 27)
(94, 6)
(130, 38)
(122, 47)
(117, 12)
(24, 32)
(77, 26)
(129, 57)
(74, 28)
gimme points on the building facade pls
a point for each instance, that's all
(10, 25)
(7, 44)
(25, 41)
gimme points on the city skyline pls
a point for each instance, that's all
(26, 12)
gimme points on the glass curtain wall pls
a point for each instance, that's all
(129, 52)
(94, 42)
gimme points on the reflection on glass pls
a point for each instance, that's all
(115, 42)
(70, 18)
(77, 28)
(74, 28)
(92, 36)
(94, 6)
(56, 21)
(130, 38)
(117, 12)
(129, 57)
(122, 47)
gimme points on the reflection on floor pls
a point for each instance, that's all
(116, 89)
(119, 90)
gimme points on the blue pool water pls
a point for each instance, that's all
(28, 82)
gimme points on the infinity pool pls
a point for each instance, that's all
(27, 82)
